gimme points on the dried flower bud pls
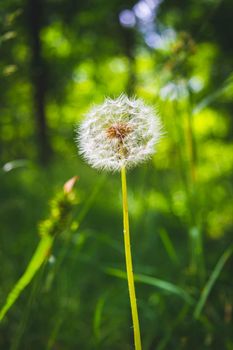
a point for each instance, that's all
(120, 132)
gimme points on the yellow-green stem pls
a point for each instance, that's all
(129, 265)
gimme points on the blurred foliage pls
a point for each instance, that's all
(58, 58)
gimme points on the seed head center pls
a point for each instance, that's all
(119, 131)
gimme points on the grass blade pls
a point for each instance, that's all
(168, 245)
(155, 282)
(225, 88)
(98, 317)
(212, 279)
(37, 260)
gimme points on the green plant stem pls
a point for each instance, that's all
(129, 265)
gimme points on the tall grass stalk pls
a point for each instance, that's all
(186, 148)
(129, 264)
(196, 239)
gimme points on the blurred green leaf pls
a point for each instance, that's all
(14, 164)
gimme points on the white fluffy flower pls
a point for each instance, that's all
(117, 133)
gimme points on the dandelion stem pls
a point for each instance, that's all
(129, 265)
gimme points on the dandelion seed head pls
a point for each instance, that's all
(120, 132)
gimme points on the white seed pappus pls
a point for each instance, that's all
(120, 132)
